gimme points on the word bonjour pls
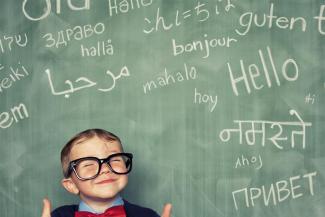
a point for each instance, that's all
(251, 129)
(102, 48)
(77, 33)
(16, 113)
(83, 82)
(123, 6)
(15, 74)
(205, 98)
(200, 46)
(255, 73)
(171, 78)
(244, 161)
(278, 191)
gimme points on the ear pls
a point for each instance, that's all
(70, 186)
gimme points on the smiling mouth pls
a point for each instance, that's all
(106, 181)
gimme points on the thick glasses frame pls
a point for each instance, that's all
(73, 164)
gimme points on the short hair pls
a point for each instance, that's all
(82, 136)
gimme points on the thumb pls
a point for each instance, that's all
(46, 208)
(167, 211)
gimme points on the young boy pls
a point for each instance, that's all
(95, 168)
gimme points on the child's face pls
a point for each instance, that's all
(107, 185)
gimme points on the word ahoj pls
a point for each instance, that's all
(15, 114)
(245, 161)
(255, 76)
(7, 42)
(171, 78)
(83, 82)
(103, 48)
(278, 192)
(47, 10)
(205, 98)
(247, 19)
(15, 74)
(258, 132)
(202, 46)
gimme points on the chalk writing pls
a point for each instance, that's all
(202, 46)
(102, 48)
(48, 7)
(278, 192)
(14, 115)
(320, 18)
(310, 99)
(7, 42)
(125, 6)
(277, 126)
(205, 98)
(229, 5)
(171, 78)
(158, 23)
(83, 82)
(245, 161)
(248, 19)
(256, 78)
(12, 75)
(78, 33)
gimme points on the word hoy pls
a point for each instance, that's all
(245, 161)
(278, 192)
(171, 78)
(205, 98)
(14, 115)
(258, 76)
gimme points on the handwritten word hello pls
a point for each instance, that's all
(14, 115)
(278, 192)
(83, 82)
(171, 78)
(258, 75)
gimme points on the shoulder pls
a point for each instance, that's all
(64, 211)
(133, 210)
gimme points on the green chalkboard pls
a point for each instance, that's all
(220, 101)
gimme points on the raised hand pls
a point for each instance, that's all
(46, 208)
(167, 211)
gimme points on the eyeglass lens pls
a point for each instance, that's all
(88, 168)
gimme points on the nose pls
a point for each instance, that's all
(105, 168)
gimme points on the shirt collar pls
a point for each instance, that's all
(85, 207)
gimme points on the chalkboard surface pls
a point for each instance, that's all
(221, 102)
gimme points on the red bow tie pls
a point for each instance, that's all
(115, 211)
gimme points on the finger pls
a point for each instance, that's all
(167, 211)
(46, 208)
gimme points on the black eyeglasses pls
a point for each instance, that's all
(87, 168)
